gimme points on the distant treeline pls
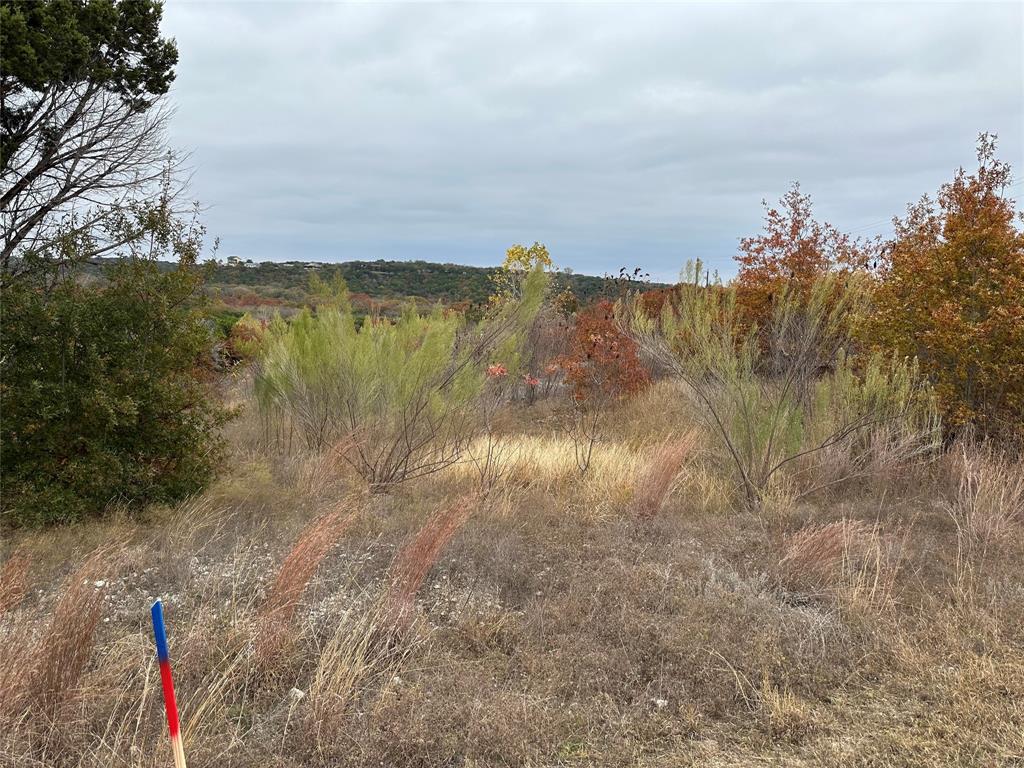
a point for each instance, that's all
(383, 280)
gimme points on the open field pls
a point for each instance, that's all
(408, 514)
(628, 617)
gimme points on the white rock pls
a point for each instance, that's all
(296, 695)
(660, 703)
(99, 583)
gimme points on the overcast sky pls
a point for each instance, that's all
(617, 134)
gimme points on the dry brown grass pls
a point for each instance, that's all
(16, 651)
(415, 559)
(850, 558)
(550, 629)
(42, 663)
(988, 507)
(784, 714)
(814, 555)
(68, 643)
(274, 623)
(654, 484)
(13, 581)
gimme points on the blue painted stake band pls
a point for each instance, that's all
(159, 633)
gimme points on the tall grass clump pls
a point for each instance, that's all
(987, 507)
(352, 662)
(69, 641)
(366, 646)
(40, 671)
(296, 571)
(778, 398)
(814, 555)
(414, 561)
(654, 484)
(13, 581)
(405, 393)
(850, 556)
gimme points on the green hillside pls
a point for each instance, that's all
(378, 287)
(382, 280)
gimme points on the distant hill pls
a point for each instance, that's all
(388, 280)
(383, 284)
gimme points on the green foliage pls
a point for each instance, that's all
(390, 284)
(404, 393)
(247, 338)
(332, 292)
(800, 396)
(102, 398)
(223, 321)
(114, 45)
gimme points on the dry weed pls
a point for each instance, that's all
(814, 555)
(988, 507)
(785, 715)
(298, 568)
(13, 581)
(657, 480)
(359, 651)
(68, 643)
(414, 561)
(850, 558)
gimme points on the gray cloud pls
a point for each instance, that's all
(617, 134)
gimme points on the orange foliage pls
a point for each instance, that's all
(952, 294)
(602, 362)
(791, 253)
(653, 301)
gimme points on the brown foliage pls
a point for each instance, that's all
(654, 300)
(793, 251)
(602, 363)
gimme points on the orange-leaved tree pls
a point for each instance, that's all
(792, 252)
(951, 293)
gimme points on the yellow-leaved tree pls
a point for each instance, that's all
(519, 262)
(951, 293)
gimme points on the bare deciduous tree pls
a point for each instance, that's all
(83, 150)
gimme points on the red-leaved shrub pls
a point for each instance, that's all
(602, 363)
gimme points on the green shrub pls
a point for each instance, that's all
(222, 321)
(785, 399)
(103, 400)
(405, 394)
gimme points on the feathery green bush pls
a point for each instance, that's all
(780, 398)
(402, 396)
